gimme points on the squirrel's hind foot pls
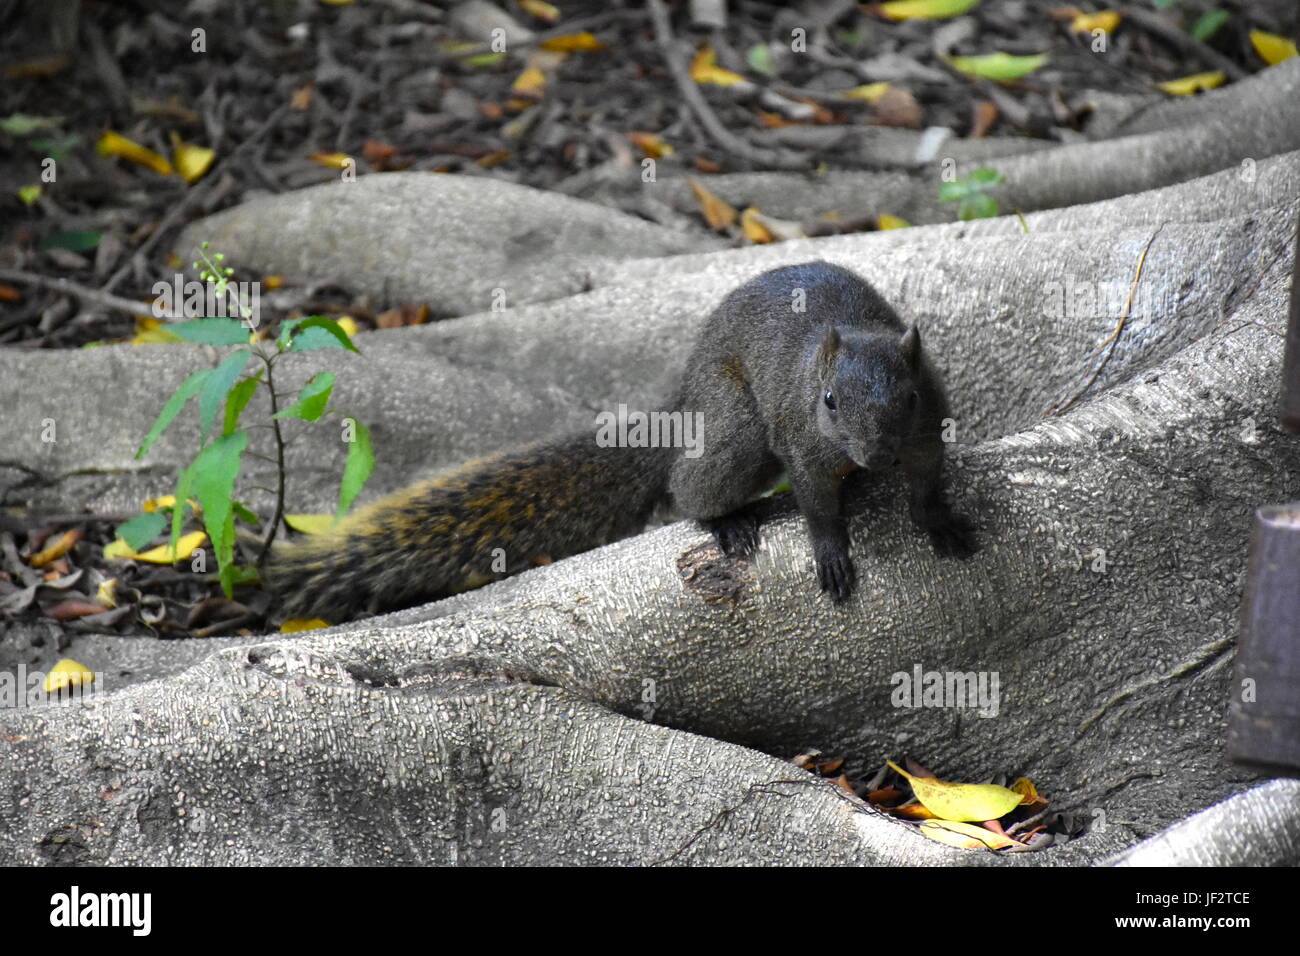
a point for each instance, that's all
(735, 533)
(953, 537)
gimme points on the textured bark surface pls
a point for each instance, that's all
(628, 705)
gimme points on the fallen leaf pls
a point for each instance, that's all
(333, 160)
(74, 608)
(869, 92)
(572, 43)
(1187, 85)
(119, 550)
(192, 161)
(886, 221)
(1272, 49)
(704, 69)
(650, 144)
(57, 549)
(115, 144)
(717, 213)
(67, 673)
(961, 801)
(541, 9)
(1105, 20)
(965, 836)
(531, 82)
(309, 524)
(923, 9)
(997, 66)
(296, 624)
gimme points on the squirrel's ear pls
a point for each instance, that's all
(829, 348)
(910, 345)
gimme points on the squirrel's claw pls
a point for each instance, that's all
(953, 537)
(836, 574)
(735, 533)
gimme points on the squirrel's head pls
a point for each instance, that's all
(867, 393)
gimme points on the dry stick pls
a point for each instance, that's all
(1109, 344)
(1155, 24)
(700, 107)
(84, 292)
(188, 199)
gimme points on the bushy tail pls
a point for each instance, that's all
(485, 520)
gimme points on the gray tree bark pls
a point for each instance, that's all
(630, 705)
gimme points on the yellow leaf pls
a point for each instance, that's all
(718, 214)
(114, 144)
(1025, 787)
(704, 69)
(150, 330)
(1106, 20)
(886, 221)
(961, 801)
(347, 324)
(1188, 85)
(650, 144)
(1272, 49)
(966, 836)
(540, 9)
(309, 524)
(192, 161)
(296, 624)
(337, 3)
(55, 549)
(530, 82)
(573, 43)
(272, 282)
(67, 673)
(106, 593)
(29, 194)
(333, 160)
(998, 66)
(120, 550)
(752, 226)
(925, 9)
(869, 92)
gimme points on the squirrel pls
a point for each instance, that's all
(804, 369)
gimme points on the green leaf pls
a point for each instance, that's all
(954, 192)
(238, 400)
(142, 529)
(313, 398)
(187, 390)
(978, 206)
(245, 514)
(214, 331)
(760, 58)
(218, 387)
(29, 194)
(1208, 24)
(213, 476)
(483, 59)
(20, 124)
(357, 469)
(78, 240)
(333, 336)
(985, 176)
(998, 66)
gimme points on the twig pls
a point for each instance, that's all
(700, 106)
(1109, 344)
(84, 292)
(1155, 24)
(191, 196)
(279, 455)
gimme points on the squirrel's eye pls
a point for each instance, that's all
(830, 401)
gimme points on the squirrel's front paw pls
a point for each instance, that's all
(736, 533)
(953, 536)
(835, 571)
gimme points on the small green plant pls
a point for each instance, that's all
(210, 478)
(971, 194)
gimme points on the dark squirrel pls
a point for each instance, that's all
(804, 370)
